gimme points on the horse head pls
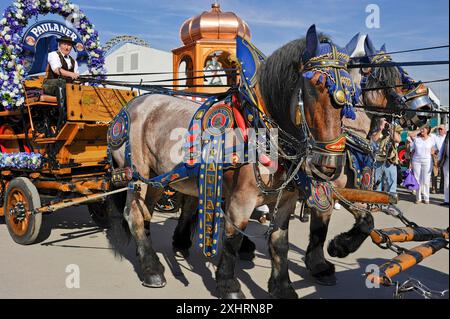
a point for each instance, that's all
(328, 95)
(385, 87)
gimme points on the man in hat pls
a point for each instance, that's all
(62, 67)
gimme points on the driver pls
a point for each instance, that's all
(62, 67)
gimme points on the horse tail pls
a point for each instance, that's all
(118, 234)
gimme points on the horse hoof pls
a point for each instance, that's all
(154, 281)
(325, 280)
(287, 293)
(335, 250)
(232, 295)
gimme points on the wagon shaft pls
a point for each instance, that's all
(406, 260)
(368, 197)
(405, 234)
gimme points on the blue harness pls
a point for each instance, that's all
(205, 158)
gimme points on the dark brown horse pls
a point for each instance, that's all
(382, 87)
(154, 117)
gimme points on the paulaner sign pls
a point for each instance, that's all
(39, 39)
(47, 28)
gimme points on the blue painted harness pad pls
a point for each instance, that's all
(205, 158)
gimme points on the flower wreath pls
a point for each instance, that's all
(15, 19)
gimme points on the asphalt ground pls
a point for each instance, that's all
(73, 247)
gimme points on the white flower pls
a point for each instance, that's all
(7, 37)
(5, 103)
(12, 94)
(10, 64)
(19, 16)
(6, 30)
(3, 21)
(16, 81)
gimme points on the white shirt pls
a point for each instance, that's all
(438, 140)
(422, 149)
(55, 62)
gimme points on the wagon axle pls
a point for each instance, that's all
(18, 212)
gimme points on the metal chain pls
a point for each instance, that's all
(414, 285)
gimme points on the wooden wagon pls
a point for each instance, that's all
(55, 153)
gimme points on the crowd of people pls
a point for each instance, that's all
(427, 151)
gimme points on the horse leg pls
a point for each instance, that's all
(247, 249)
(348, 242)
(239, 210)
(279, 282)
(182, 236)
(137, 211)
(321, 269)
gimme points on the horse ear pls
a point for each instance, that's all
(312, 41)
(383, 48)
(369, 47)
(351, 46)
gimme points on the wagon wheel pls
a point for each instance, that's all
(20, 198)
(100, 213)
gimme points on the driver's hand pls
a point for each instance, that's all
(75, 76)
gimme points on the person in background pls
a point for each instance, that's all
(422, 148)
(443, 163)
(438, 133)
(386, 159)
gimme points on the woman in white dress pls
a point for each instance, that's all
(422, 147)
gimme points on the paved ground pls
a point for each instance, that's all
(39, 271)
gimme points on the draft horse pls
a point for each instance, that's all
(326, 90)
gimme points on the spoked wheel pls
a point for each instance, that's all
(21, 197)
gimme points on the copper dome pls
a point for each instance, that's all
(214, 25)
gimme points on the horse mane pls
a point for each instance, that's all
(280, 79)
(389, 76)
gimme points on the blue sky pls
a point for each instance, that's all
(404, 24)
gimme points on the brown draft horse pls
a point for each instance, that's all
(389, 78)
(154, 117)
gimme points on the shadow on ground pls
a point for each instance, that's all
(351, 282)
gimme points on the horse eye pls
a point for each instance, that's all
(366, 71)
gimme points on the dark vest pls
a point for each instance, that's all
(53, 75)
